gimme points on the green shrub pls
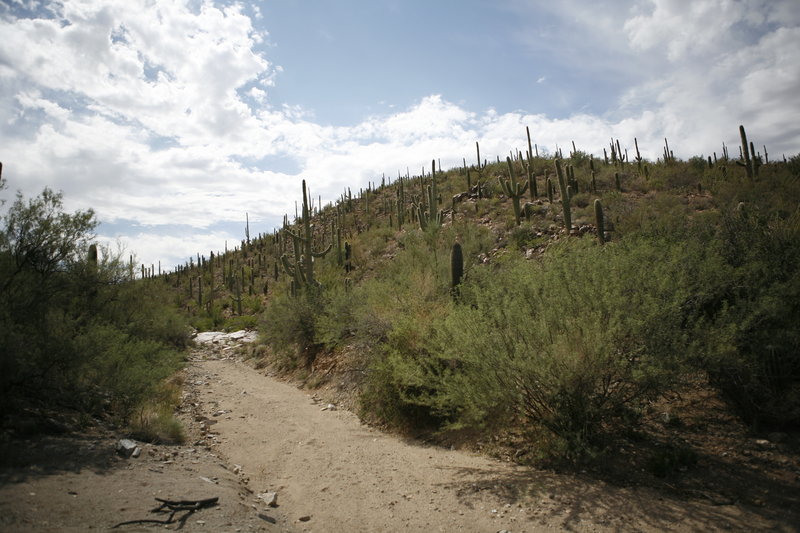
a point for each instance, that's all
(793, 165)
(289, 326)
(401, 309)
(128, 370)
(522, 237)
(754, 353)
(239, 322)
(570, 344)
(154, 420)
(73, 330)
(337, 322)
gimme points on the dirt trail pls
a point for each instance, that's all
(333, 473)
(251, 434)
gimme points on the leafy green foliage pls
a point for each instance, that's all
(754, 357)
(556, 344)
(290, 326)
(72, 331)
(572, 343)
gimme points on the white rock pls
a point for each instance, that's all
(214, 337)
(270, 498)
(126, 447)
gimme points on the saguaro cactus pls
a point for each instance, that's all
(456, 269)
(600, 221)
(348, 254)
(513, 189)
(428, 214)
(565, 195)
(529, 167)
(92, 256)
(750, 163)
(302, 271)
(639, 158)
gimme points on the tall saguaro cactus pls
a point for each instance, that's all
(565, 194)
(92, 256)
(456, 269)
(513, 189)
(428, 214)
(639, 158)
(750, 163)
(302, 271)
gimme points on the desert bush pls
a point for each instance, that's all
(404, 306)
(570, 344)
(154, 420)
(289, 325)
(337, 322)
(525, 236)
(128, 369)
(72, 331)
(239, 322)
(793, 165)
(754, 352)
(212, 320)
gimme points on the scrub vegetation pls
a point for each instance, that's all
(556, 296)
(561, 296)
(76, 334)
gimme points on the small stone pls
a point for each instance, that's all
(270, 498)
(126, 447)
(305, 518)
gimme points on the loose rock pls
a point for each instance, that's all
(270, 498)
(127, 447)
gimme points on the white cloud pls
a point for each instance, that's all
(33, 100)
(682, 27)
(740, 69)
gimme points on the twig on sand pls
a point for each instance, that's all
(172, 507)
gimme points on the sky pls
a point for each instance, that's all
(177, 119)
